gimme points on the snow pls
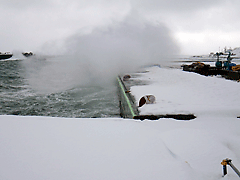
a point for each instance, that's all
(178, 91)
(115, 148)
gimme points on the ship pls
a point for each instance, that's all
(5, 55)
(27, 54)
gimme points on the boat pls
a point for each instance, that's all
(5, 55)
(27, 54)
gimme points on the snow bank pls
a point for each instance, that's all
(62, 148)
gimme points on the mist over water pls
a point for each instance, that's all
(80, 79)
(104, 52)
(55, 74)
(35, 87)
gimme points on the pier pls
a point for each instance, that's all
(129, 109)
(176, 94)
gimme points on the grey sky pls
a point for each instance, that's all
(197, 26)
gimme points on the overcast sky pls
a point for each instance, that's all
(197, 27)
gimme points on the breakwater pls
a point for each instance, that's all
(129, 109)
(127, 105)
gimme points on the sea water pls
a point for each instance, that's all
(53, 87)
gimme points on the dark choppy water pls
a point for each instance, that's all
(38, 87)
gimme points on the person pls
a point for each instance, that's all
(229, 57)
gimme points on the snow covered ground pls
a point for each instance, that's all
(178, 91)
(114, 148)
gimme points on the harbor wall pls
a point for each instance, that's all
(127, 104)
(128, 108)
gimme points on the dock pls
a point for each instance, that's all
(207, 70)
(129, 109)
(178, 94)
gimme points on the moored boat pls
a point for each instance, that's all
(27, 54)
(5, 55)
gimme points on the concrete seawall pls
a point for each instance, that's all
(128, 107)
